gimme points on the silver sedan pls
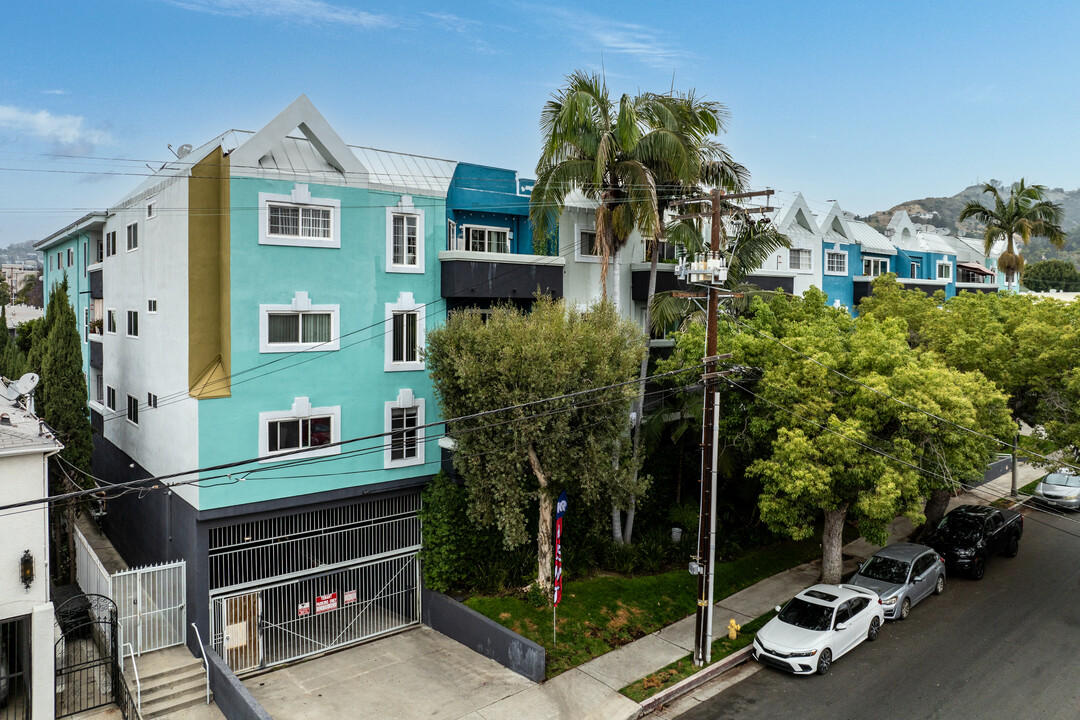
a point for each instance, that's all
(902, 574)
(1059, 489)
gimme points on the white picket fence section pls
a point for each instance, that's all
(151, 601)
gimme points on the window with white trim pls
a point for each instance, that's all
(133, 323)
(404, 420)
(835, 262)
(133, 237)
(110, 321)
(404, 334)
(298, 326)
(944, 270)
(110, 398)
(873, 267)
(298, 219)
(799, 259)
(405, 237)
(451, 235)
(99, 389)
(151, 306)
(916, 269)
(70, 257)
(479, 238)
(316, 430)
(151, 400)
(133, 410)
(587, 243)
(151, 210)
(110, 243)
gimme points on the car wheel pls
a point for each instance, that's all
(940, 587)
(824, 661)
(905, 609)
(1013, 548)
(875, 626)
(978, 569)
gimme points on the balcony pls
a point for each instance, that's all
(95, 353)
(472, 275)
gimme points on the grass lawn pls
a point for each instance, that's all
(684, 668)
(1029, 489)
(600, 613)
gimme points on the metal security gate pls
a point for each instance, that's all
(152, 603)
(87, 654)
(291, 620)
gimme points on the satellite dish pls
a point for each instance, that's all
(26, 384)
(11, 392)
(183, 151)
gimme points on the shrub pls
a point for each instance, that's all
(445, 555)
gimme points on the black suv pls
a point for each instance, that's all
(970, 534)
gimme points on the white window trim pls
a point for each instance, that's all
(127, 410)
(151, 210)
(405, 303)
(112, 407)
(127, 324)
(486, 229)
(105, 322)
(578, 255)
(405, 207)
(809, 269)
(836, 272)
(405, 399)
(300, 410)
(451, 235)
(148, 310)
(300, 304)
(300, 196)
(127, 232)
(873, 261)
(946, 263)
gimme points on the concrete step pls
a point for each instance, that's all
(174, 689)
(165, 706)
(152, 676)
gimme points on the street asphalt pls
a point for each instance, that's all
(1007, 646)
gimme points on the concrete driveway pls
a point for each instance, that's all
(415, 674)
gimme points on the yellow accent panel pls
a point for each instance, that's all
(213, 383)
(209, 328)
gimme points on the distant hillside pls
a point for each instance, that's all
(18, 252)
(943, 212)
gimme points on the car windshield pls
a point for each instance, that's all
(1062, 479)
(959, 527)
(810, 616)
(886, 570)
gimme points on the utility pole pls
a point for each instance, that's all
(711, 270)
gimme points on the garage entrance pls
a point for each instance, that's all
(340, 576)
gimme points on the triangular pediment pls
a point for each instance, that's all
(300, 115)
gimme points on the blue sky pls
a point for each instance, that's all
(867, 103)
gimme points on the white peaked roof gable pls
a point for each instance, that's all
(299, 115)
(903, 230)
(833, 222)
(794, 218)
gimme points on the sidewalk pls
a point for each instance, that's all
(591, 691)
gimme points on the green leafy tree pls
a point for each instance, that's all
(1024, 215)
(5, 291)
(30, 292)
(531, 453)
(63, 390)
(1051, 275)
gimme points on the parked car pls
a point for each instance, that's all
(1059, 489)
(969, 535)
(902, 575)
(817, 626)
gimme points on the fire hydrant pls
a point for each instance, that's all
(733, 629)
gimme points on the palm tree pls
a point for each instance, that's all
(1025, 214)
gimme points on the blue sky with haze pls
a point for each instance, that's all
(867, 103)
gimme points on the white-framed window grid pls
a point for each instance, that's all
(944, 270)
(110, 243)
(451, 235)
(915, 269)
(315, 431)
(299, 219)
(110, 398)
(151, 400)
(299, 326)
(586, 248)
(151, 210)
(405, 334)
(133, 323)
(151, 306)
(482, 238)
(404, 421)
(99, 388)
(110, 321)
(800, 259)
(836, 262)
(132, 236)
(405, 237)
(873, 267)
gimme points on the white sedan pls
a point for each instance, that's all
(817, 626)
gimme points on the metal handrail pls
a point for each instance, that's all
(206, 664)
(138, 684)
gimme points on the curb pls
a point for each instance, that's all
(695, 681)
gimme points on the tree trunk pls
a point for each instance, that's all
(628, 530)
(936, 505)
(832, 543)
(543, 532)
(616, 524)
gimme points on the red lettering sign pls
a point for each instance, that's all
(350, 597)
(303, 609)
(325, 603)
